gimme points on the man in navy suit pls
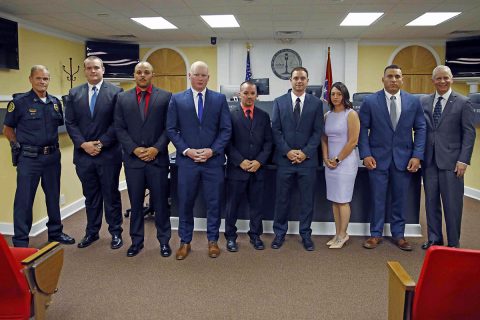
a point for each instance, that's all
(450, 141)
(297, 126)
(97, 153)
(249, 149)
(140, 117)
(199, 126)
(387, 119)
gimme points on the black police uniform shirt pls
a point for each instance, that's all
(36, 122)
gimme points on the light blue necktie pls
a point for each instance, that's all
(200, 106)
(93, 100)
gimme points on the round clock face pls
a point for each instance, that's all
(284, 61)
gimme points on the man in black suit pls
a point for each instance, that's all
(140, 117)
(97, 153)
(297, 126)
(248, 151)
(449, 147)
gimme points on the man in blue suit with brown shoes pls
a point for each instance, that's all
(387, 119)
(199, 125)
(297, 126)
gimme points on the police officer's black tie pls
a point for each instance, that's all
(296, 111)
(142, 103)
(437, 111)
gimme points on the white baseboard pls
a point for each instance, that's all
(472, 193)
(318, 228)
(65, 212)
(41, 225)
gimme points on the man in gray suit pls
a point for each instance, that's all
(450, 140)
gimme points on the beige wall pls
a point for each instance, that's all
(38, 48)
(371, 62)
(53, 52)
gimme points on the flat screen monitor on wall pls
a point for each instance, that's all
(316, 90)
(8, 44)
(463, 57)
(119, 59)
(263, 86)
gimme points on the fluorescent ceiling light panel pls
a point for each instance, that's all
(433, 18)
(155, 23)
(361, 18)
(221, 21)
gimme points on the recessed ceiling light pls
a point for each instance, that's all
(432, 18)
(361, 18)
(155, 23)
(221, 21)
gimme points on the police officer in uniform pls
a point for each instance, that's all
(31, 125)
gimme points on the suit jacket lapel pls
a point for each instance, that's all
(85, 102)
(100, 97)
(207, 104)
(428, 109)
(448, 107)
(191, 104)
(151, 103)
(240, 116)
(403, 107)
(134, 103)
(382, 102)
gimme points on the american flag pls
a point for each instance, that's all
(327, 86)
(248, 72)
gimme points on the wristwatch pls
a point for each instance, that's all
(337, 160)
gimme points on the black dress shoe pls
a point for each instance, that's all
(232, 245)
(165, 250)
(62, 238)
(257, 243)
(117, 241)
(87, 240)
(277, 242)
(308, 244)
(428, 244)
(134, 250)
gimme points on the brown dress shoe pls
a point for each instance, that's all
(183, 251)
(213, 249)
(372, 242)
(403, 244)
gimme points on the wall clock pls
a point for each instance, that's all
(283, 61)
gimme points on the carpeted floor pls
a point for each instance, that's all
(290, 283)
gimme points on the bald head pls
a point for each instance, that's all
(198, 75)
(143, 75)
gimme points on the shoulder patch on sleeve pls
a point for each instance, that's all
(10, 106)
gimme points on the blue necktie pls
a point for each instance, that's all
(93, 100)
(200, 106)
(437, 111)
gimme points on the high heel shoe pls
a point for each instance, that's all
(331, 241)
(340, 242)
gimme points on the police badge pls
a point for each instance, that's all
(55, 107)
(11, 106)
